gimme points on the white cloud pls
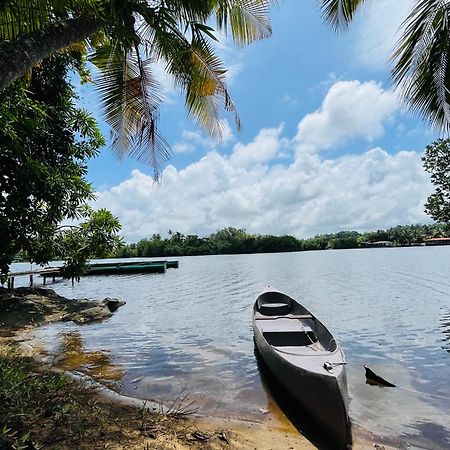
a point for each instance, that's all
(369, 191)
(264, 147)
(192, 140)
(377, 30)
(182, 147)
(350, 109)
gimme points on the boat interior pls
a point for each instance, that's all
(285, 323)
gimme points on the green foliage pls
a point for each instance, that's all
(95, 238)
(340, 12)
(436, 161)
(237, 241)
(28, 397)
(45, 142)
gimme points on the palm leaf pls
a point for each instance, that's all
(207, 87)
(18, 17)
(195, 68)
(421, 58)
(130, 98)
(247, 19)
(339, 13)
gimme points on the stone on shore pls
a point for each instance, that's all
(35, 306)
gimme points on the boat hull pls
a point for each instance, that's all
(322, 395)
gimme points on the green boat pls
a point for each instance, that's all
(121, 268)
(170, 264)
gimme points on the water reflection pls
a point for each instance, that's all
(70, 354)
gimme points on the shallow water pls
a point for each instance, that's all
(190, 328)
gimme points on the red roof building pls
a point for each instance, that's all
(438, 241)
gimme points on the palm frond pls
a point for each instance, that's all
(247, 19)
(339, 13)
(18, 17)
(421, 62)
(207, 88)
(195, 69)
(186, 11)
(130, 98)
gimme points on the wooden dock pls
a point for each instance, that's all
(49, 272)
(111, 268)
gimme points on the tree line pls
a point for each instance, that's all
(232, 240)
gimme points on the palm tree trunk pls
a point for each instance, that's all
(19, 55)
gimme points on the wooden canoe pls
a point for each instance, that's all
(306, 359)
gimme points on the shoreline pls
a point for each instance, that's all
(271, 432)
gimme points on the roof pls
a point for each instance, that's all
(438, 239)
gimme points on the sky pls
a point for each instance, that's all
(326, 144)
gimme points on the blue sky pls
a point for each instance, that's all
(326, 144)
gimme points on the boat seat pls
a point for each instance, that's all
(274, 309)
(290, 316)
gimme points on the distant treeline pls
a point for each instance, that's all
(233, 241)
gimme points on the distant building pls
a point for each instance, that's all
(377, 244)
(438, 241)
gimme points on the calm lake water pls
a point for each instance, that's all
(190, 328)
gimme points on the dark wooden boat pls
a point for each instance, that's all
(306, 359)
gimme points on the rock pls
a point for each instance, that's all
(33, 306)
(113, 304)
(91, 314)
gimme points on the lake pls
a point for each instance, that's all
(189, 330)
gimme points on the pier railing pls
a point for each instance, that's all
(48, 272)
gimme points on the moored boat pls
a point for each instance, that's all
(171, 264)
(306, 359)
(122, 268)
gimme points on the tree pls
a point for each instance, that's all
(436, 161)
(421, 57)
(44, 144)
(127, 38)
(94, 238)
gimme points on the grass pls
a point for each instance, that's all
(40, 408)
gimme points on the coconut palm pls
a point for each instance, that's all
(420, 59)
(124, 40)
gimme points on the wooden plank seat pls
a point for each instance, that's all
(289, 316)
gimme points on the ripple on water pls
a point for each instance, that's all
(191, 327)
